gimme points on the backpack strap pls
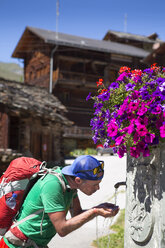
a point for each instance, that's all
(60, 178)
(27, 218)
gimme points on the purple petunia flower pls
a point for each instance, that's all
(104, 96)
(135, 95)
(134, 152)
(129, 86)
(121, 151)
(89, 96)
(146, 151)
(114, 85)
(149, 137)
(145, 95)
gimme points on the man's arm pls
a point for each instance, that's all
(64, 227)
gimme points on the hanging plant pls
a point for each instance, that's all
(130, 112)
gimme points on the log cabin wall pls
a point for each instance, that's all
(37, 70)
(37, 62)
(4, 123)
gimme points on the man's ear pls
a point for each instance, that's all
(78, 180)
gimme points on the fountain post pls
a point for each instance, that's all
(145, 201)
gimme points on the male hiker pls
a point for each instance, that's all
(49, 203)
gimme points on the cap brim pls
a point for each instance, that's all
(67, 170)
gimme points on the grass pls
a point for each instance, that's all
(115, 239)
(87, 151)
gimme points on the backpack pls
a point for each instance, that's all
(21, 174)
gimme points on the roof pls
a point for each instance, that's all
(149, 39)
(54, 38)
(159, 50)
(37, 102)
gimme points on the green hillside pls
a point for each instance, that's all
(11, 71)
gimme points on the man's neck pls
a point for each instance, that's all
(71, 182)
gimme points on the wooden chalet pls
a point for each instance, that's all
(68, 67)
(32, 123)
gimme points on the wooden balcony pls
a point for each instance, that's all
(73, 78)
(77, 132)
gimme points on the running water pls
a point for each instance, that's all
(107, 223)
(106, 226)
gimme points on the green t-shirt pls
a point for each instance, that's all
(47, 193)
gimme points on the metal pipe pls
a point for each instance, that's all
(117, 185)
(51, 68)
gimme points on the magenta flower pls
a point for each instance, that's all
(130, 128)
(146, 152)
(133, 105)
(141, 130)
(119, 140)
(112, 129)
(141, 121)
(142, 110)
(136, 137)
(121, 151)
(149, 137)
(157, 110)
(122, 76)
(130, 112)
(162, 131)
(134, 152)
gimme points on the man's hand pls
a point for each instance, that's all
(106, 210)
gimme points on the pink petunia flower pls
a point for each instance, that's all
(131, 128)
(122, 76)
(141, 121)
(157, 110)
(119, 140)
(142, 130)
(136, 138)
(142, 110)
(112, 129)
(162, 131)
(133, 105)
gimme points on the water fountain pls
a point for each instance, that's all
(145, 201)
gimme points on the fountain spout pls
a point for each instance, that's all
(117, 185)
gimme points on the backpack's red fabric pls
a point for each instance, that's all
(3, 244)
(19, 168)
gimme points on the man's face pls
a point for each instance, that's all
(89, 187)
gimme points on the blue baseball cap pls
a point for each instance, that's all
(84, 168)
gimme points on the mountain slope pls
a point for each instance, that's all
(11, 71)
